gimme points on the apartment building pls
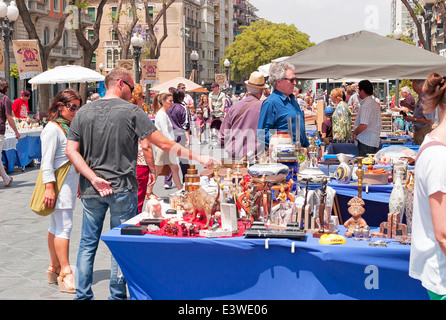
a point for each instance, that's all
(183, 29)
(45, 15)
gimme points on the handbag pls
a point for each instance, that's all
(39, 190)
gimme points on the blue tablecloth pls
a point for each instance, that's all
(20, 153)
(162, 267)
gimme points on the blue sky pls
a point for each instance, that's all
(325, 19)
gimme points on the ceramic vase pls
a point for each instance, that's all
(396, 201)
(344, 171)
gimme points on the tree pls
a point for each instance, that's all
(426, 13)
(153, 43)
(45, 49)
(88, 48)
(262, 42)
(124, 37)
(414, 15)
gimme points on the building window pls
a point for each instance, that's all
(109, 59)
(65, 39)
(56, 5)
(46, 35)
(116, 57)
(150, 11)
(92, 13)
(114, 36)
(113, 13)
(91, 35)
(113, 55)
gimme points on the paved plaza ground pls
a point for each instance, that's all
(24, 253)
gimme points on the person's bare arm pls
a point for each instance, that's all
(171, 147)
(437, 202)
(147, 151)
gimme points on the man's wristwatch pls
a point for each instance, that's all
(153, 171)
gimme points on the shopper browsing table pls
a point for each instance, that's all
(281, 105)
(103, 146)
(422, 121)
(368, 125)
(5, 116)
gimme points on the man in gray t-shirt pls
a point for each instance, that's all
(108, 131)
(103, 146)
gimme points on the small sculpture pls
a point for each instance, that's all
(175, 230)
(393, 228)
(168, 229)
(153, 208)
(200, 201)
(356, 210)
(192, 231)
(184, 230)
(282, 195)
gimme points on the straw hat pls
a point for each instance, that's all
(256, 80)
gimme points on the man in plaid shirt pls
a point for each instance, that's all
(367, 128)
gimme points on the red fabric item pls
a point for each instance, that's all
(198, 222)
(142, 174)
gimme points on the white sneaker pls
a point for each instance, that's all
(166, 186)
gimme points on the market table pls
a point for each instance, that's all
(21, 152)
(193, 268)
(376, 197)
(376, 200)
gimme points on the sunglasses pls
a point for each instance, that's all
(130, 86)
(290, 79)
(72, 107)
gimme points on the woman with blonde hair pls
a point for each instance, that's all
(161, 104)
(342, 117)
(54, 139)
(144, 173)
(428, 247)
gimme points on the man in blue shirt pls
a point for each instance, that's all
(281, 105)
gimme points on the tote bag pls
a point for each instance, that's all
(39, 190)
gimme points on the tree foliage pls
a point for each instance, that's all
(262, 42)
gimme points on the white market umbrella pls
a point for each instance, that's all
(67, 74)
(190, 85)
(265, 68)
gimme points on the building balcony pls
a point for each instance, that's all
(111, 44)
(36, 7)
(66, 52)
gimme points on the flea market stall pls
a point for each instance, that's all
(273, 227)
(21, 152)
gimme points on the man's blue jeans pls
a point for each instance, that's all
(123, 206)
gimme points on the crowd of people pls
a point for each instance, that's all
(115, 153)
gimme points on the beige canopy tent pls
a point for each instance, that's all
(366, 55)
(190, 85)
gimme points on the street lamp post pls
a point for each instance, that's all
(137, 43)
(8, 15)
(226, 63)
(398, 35)
(194, 56)
(101, 67)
